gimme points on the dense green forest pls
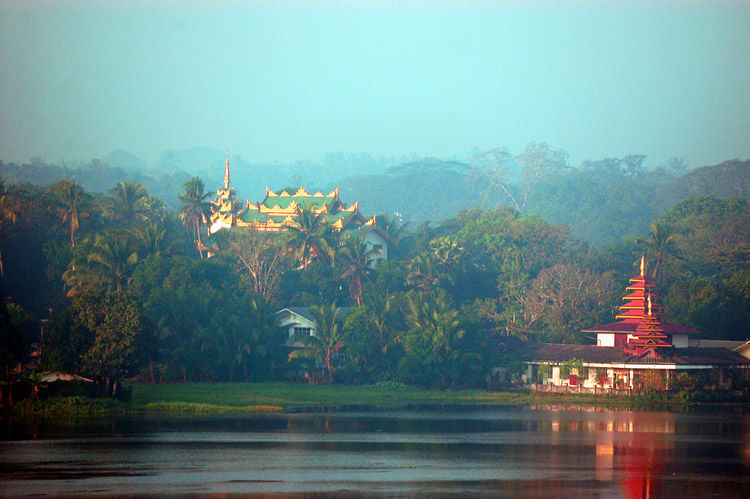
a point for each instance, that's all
(124, 290)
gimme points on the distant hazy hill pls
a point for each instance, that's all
(730, 178)
(428, 189)
(251, 179)
(123, 159)
(600, 209)
(95, 176)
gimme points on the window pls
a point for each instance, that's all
(377, 247)
(303, 330)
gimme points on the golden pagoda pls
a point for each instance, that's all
(278, 211)
(225, 209)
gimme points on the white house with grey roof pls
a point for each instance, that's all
(298, 320)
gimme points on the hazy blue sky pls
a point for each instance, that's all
(282, 81)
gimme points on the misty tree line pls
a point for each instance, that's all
(128, 291)
(602, 201)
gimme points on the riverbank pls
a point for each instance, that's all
(290, 395)
(237, 398)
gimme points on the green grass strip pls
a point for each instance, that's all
(257, 398)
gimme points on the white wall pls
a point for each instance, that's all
(680, 340)
(605, 339)
(555, 375)
(372, 238)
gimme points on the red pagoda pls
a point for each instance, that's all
(648, 340)
(636, 313)
(637, 344)
(641, 287)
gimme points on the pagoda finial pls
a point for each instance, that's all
(643, 264)
(226, 173)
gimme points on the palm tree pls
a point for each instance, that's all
(195, 209)
(423, 273)
(516, 245)
(9, 210)
(155, 210)
(437, 265)
(660, 246)
(152, 240)
(114, 255)
(326, 340)
(441, 328)
(436, 319)
(310, 235)
(128, 202)
(71, 204)
(79, 277)
(265, 338)
(357, 261)
(447, 254)
(380, 317)
(107, 265)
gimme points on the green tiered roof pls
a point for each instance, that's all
(278, 210)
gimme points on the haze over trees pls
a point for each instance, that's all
(522, 244)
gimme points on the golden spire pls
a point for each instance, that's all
(643, 257)
(226, 173)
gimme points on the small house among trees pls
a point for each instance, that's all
(315, 333)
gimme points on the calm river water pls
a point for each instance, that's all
(537, 451)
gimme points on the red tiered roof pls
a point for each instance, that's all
(636, 315)
(635, 302)
(642, 324)
(648, 338)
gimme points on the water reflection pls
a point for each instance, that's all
(424, 452)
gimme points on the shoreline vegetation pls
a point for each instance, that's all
(444, 308)
(278, 397)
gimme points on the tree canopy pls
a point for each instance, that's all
(130, 292)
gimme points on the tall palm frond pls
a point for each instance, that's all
(128, 202)
(309, 234)
(357, 259)
(661, 246)
(195, 209)
(71, 204)
(106, 264)
(326, 339)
